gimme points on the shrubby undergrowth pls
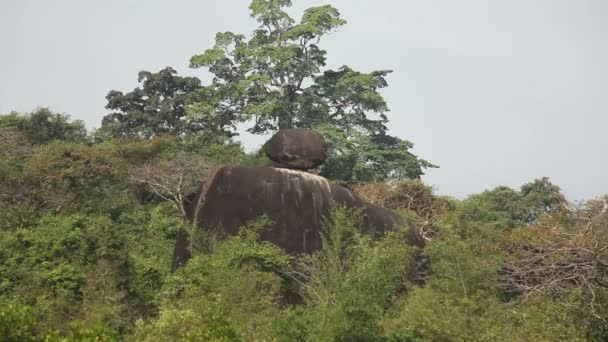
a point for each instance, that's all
(86, 241)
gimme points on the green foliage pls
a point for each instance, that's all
(503, 208)
(221, 290)
(43, 126)
(458, 301)
(478, 258)
(347, 285)
(255, 158)
(139, 151)
(18, 209)
(359, 157)
(462, 300)
(99, 269)
(218, 151)
(158, 107)
(86, 274)
(540, 197)
(17, 323)
(78, 332)
(208, 324)
(26, 189)
(69, 176)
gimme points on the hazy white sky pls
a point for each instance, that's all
(495, 92)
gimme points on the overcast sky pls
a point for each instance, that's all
(494, 92)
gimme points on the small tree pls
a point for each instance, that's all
(43, 126)
(174, 179)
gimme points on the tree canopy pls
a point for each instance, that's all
(276, 79)
(158, 107)
(43, 126)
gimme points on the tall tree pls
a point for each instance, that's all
(157, 107)
(275, 79)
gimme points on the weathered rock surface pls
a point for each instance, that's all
(295, 201)
(297, 148)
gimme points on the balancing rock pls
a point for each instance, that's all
(296, 148)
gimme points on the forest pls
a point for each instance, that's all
(89, 218)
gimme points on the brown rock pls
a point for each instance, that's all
(295, 201)
(297, 148)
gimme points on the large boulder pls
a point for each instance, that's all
(297, 148)
(297, 202)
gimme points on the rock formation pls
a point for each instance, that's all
(296, 148)
(296, 201)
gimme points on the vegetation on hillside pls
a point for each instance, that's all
(87, 232)
(88, 220)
